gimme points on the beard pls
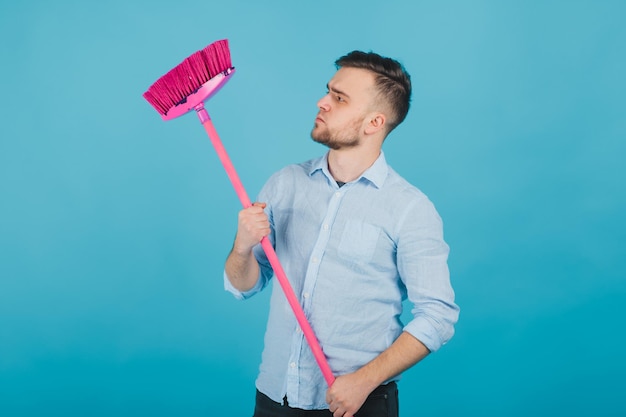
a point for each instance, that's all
(347, 138)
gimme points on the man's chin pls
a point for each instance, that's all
(318, 136)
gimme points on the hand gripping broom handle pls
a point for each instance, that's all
(267, 247)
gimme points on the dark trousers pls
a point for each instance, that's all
(382, 402)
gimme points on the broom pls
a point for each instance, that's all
(186, 87)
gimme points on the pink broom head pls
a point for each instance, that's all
(187, 86)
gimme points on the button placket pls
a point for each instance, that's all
(319, 249)
(310, 279)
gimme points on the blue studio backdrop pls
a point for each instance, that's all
(114, 225)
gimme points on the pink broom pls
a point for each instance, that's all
(185, 88)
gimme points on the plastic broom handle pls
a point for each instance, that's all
(269, 250)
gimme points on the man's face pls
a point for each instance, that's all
(340, 121)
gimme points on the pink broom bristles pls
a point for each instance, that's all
(183, 80)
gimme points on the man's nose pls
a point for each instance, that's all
(324, 103)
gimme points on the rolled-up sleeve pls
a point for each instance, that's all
(422, 256)
(242, 295)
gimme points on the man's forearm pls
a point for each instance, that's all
(405, 352)
(242, 270)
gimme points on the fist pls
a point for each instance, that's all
(253, 225)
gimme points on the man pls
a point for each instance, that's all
(355, 239)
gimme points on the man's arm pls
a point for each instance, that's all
(349, 392)
(241, 266)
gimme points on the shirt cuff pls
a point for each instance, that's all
(242, 295)
(433, 337)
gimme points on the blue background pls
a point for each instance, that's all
(114, 225)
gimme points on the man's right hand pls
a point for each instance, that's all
(241, 266)
(253, 225)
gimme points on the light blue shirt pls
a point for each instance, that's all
(352, 255)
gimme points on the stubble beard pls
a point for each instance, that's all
(342, 140)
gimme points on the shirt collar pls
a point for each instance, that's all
(376, 174)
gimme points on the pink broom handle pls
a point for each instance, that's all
(267, 247)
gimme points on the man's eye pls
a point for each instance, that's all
(339, 98)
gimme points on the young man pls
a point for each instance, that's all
(355, 239)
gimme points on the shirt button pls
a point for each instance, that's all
(325, 227)
(292, 364)
(315, 260)
(337, 194)
(306, 295)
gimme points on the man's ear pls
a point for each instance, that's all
(376, 122)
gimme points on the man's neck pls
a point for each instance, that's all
(346, 165)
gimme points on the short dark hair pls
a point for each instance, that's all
(392, 81)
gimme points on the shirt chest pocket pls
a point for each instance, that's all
(358, 240)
